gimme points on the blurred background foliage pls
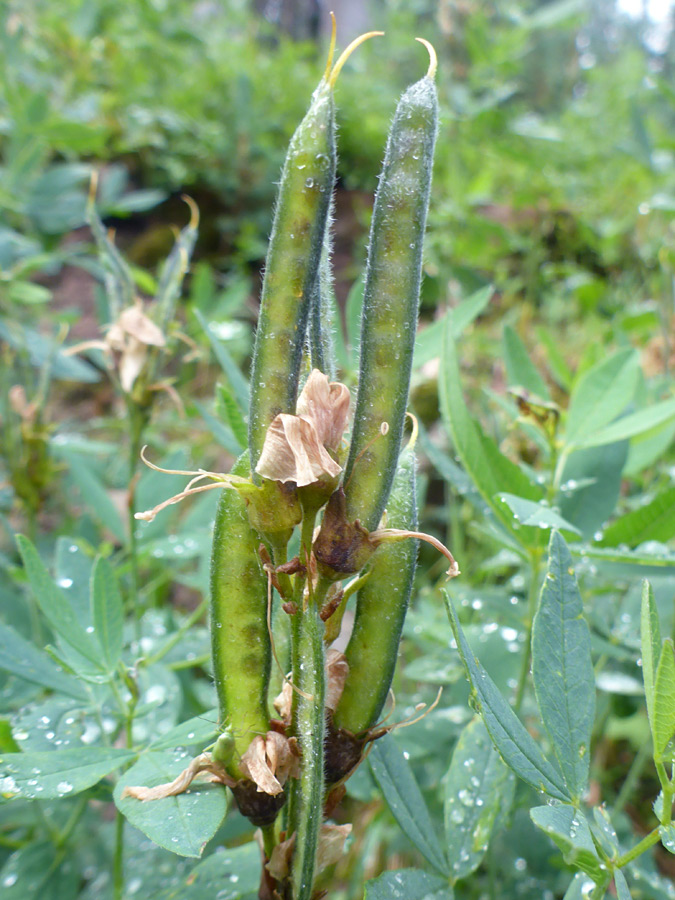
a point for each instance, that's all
(554, 182)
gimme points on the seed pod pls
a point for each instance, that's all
(381, 607)
(291, 268)
(390, 302)
(322, 305)
(239, 637)
(293, 258)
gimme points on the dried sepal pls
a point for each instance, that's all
(202, 765)
(337, 669)
(270, 761)
(330, 849)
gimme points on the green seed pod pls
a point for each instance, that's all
(292, 265)
(381, 607)
(322, 305)
(239, 637)
(390, 303)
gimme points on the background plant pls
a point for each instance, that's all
(554, 183)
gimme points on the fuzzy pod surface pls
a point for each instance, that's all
(391, 301)
(240, 640)
(292, 266)
(381, 608)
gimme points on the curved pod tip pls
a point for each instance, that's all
(194, 210)
(331, 48)
(344, 56)
(433, 59)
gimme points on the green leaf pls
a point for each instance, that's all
(536, 514)
(408, 884)
(220, 430)
(601, 394)
(54, 604)
(21, 658)
(642, 557)
(590, 486)
(490, 470)
(562, 668)
(475, 789)
(224, 875)
(95, 495)
(667, 833)
(38, 872)
(182, 824)
(58, 773)
(514, 742)
(653, 522)
(629, 426)
(663, 726)
(397, 782)
(621, 885)
(555, 359)
(568, 829)
(353, 310)
(429, 341)
(227, 407)
(650, 638)
(107, 612)
(198, 730)
(28, 293)
(520, 370)
(227, 364)
(581, 887)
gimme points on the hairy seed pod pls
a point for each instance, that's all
(292, 266)
(322, 305)
(390, 302)
(239, 637)
(381, 607)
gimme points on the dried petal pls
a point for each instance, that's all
(326, 405)
(337, 669)
(269, 761)
(131, 363)
(293, 452)
(279, 864)
(331, 844)
(136, 324)
(200, 765)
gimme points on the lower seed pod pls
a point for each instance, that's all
(239, 637)
(381, 607)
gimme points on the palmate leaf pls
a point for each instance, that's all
(663, 724)
(568, 829)
(601, 394)
(653, 522)
(562, 668)
(21, 658)
(58, 773)
(107, 612)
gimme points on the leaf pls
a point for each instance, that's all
(644, 557)
(28, 292)
(224, 875)
(555, 359)
(227, 364)
(227, 407)
(182, 824)
(54, 604)
(408, 884)
(58, 773)
(353, 310)
(581, 887)
(590, 486)
(95, 495)
(397, 782)
(490, 470)
(520, 370)
(38, 872)
(198, 730)
(220, 430)
(568, 829)
(21, 658)
(653, 522)
(107, 612)
(621, 885)
(514, 742)
(663, 726)
(667, 833)
(602, 392)
(650, 638)
(536, 514)
(562, 668)
(429, 340)
(660, 414)
(475, 787)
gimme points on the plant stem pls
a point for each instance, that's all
(135, 427)
(118, 860)
(532, 596)
(648, 841)
(177, 636)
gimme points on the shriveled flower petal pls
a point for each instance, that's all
(331, 844)
(337, 669)
(136, 324)
(131, 363)
(200, 765)
(293, 452)
(269, 761)
(279, 864)
(326, 405)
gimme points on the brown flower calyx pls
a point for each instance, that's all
(298, 448)
(337, 670)
(342, 547)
